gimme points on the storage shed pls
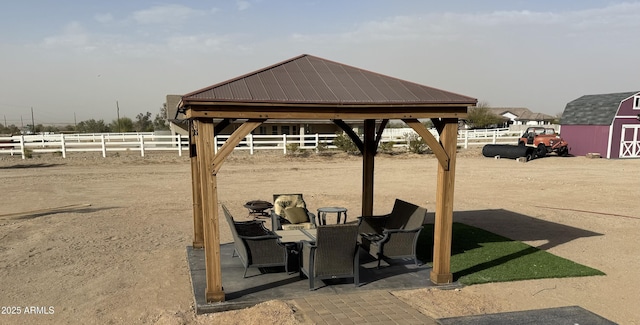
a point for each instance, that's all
(607, 124)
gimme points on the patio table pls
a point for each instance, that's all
(293, 239)
(296, 235)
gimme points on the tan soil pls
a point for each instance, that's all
(121, 260)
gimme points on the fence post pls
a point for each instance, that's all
(179, 144)
(284, 143)
(22, 146)
(250, 139)
(141, 144)
(64, 147)
(495, 136)
(466, 139)
(104, 146)
(317, 141)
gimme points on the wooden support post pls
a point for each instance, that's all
(368, 159)
(209, 165)
(196, 186)
(431, 141)
(441, 271)
(211, 226)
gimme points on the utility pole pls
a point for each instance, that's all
(33, 124)
(118, 114)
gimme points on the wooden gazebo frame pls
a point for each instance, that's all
(308, 87)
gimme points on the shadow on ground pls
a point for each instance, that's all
(25, 166)
(268, 284)
(274, 283)
(520, 227)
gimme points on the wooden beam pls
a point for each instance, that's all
(361, 114)
(352, 135)
(441, 271)
(235, 138)
(196, 186)
(383, 125)
(211, 226)
(223, 124)
(292, 106)
(436, 147)
(437, 123)
(368, 159)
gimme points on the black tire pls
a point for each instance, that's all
(541, 151)
(563, 151)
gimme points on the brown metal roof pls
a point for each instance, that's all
(307, 79)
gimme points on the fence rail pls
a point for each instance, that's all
(25, 145)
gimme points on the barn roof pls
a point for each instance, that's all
(594, 109)
(307, 79)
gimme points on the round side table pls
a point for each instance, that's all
(339, 211)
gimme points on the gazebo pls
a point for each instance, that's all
(309, 87)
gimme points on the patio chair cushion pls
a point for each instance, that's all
(296, 215)
(285, 201)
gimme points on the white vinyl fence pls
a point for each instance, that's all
(25, 145)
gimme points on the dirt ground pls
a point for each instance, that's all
(117, 256)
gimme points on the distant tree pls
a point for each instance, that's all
(396, 125)
(557, 118)
(124, 124)
(160, 122)
(68, 128)
(51, 128)
(9, 129)
(480, 117)
(39, 128)
(92, 126)
(143, 123)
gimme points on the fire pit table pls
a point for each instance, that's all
(257, 208)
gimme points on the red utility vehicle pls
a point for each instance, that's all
(545, 140)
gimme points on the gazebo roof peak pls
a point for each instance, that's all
(307, 79)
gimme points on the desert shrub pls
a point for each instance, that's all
(293, 150)
(322, 148)
(344, 143)
(386, 147)
(416, 144)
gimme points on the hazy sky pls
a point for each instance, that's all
(69, 59)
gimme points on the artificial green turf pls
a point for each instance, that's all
(479, 256)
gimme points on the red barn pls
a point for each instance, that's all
(608, 124)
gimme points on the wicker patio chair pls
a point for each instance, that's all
(333, 255)
(290, 212)
(255, 245)
(394, 235)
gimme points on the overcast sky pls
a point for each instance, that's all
(74, 59)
